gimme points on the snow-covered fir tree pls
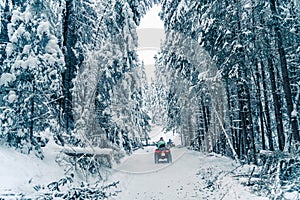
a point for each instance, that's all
(119, 101)
(31, 80)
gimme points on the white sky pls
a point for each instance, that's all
(150, 21)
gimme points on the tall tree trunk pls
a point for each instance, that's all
(267, 109)
(32, 116)
(206, 125)
(277, 105)
(285, 74)
(244, 92)
(199, 127)
(276, 98)
(257, 76)
(230, 115)
(69, 41)
(260, 106)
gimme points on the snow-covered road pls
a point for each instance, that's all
(142, 162)
(192, 175)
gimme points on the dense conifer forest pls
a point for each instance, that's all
(227, 78)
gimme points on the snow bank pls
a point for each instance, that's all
(22, 174)
(19, 173)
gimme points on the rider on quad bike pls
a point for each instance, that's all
(170, 143)
(161, 143)
(162, 152)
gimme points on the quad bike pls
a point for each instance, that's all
(162, 153)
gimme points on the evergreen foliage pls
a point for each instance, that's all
(30, 82)
(63, 68)
(243, 39)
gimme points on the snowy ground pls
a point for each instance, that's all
(19, 173)
(192, 175)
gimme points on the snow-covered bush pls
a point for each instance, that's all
(278, 175)
(89, 162)
(67, 188)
